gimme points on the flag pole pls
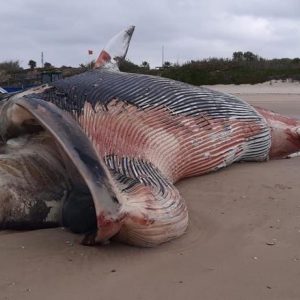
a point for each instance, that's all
(90, 52)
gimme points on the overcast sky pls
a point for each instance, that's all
(188, 29)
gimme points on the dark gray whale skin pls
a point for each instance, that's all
(101, 86)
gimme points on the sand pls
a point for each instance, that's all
(243, 241)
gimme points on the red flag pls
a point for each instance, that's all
(90, 52)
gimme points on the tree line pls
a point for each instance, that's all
(242, 67)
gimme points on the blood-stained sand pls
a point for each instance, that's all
(243, 241)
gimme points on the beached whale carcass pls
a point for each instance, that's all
(100, 152)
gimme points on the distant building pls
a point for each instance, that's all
(50, 76)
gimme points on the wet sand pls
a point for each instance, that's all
(243, 241)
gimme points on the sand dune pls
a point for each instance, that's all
(243, 241)
(286, 87)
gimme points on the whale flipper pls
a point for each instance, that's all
(116, 49)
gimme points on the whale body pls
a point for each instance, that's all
(131, 137)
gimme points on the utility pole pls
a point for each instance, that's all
(42, 59)
(162, 56)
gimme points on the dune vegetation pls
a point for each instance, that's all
(243, 67)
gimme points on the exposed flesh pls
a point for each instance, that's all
(33, 182)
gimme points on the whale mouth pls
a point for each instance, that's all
(32, 183)
(39, 186)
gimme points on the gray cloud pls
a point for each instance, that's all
(188, 29)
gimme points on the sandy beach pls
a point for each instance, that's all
(243, 241)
